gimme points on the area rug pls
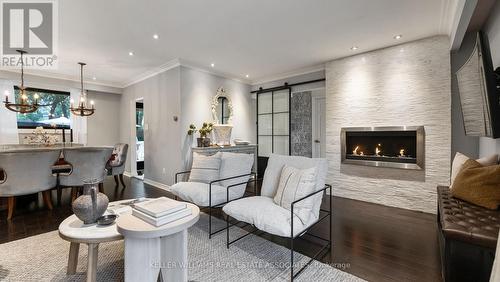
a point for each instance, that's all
(44, 258)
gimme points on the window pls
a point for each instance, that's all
(54, 109)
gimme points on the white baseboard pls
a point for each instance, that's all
(157, 184)
(127, 174)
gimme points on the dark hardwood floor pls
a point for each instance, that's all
(373, 242)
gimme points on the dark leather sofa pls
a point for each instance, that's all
(467, 237)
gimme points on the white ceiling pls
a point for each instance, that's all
(261, 38)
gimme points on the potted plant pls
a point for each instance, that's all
(205, 130)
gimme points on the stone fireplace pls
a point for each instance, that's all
(394, 147)
(407, 84)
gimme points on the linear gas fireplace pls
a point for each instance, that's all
(394, 147)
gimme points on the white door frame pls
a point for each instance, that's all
(133, 137)
(316, 99)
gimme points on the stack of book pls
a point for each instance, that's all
(161, 211)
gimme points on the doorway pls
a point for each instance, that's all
(139, 136)
(318, 123)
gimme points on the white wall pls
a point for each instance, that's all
(187, 94)
(296, 79)
(197, 90)
(161, 95)
(488, 146)
(402, 85)
(103, 127)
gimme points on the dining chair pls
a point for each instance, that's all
(86, 163)
(116, 164)
(24, 173)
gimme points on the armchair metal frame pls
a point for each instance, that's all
(210, 207)
(327, 242)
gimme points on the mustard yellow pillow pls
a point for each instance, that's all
(478, 184)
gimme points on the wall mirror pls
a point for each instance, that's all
(222, 108)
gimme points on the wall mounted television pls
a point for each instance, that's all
(479, 90)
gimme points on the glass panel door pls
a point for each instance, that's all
(273, 125)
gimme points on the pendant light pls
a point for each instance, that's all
(82, 109)
(24, 106)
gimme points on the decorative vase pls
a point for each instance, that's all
(92, 204)
(203, 142)
(222, 134)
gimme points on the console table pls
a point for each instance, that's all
(245, 149)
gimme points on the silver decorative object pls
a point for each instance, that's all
(92, 204)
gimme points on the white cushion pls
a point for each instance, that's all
(234, 164)
(460, 159)
(295, 184)
(264, 214)
(205, 168)
(275, 166)
(197, 193)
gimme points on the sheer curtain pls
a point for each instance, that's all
(8, 119)
(78, 123)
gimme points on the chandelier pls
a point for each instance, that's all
(23, 106)
(82, 109)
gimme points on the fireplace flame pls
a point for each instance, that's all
(377, 150)
(402, 152)
(355, 151)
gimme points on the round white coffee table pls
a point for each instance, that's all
(73, 230)
(149, 249)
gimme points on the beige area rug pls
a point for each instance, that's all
(44, 258)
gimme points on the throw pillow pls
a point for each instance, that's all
(478, 184)
(234, 164)
(294, 184)
(460, 159)
(205, 168)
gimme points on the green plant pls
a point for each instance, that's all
(192, 129)
(204, 130)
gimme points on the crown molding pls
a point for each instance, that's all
(297, 72)
(152, 72)
(198, 67)
(60, 81)
(52, 75)
(185, 63)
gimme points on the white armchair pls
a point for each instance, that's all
(266, 215)
(235, 172)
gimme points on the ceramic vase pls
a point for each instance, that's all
(222, 134)
(92, 204)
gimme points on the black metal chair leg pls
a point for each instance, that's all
(209, 222)
(116, 180)
(291, 258)
(227, 231)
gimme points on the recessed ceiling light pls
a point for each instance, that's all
(354, 48)
(156, 36)
(94, 78)
(130, 53)
(247, 76)
(397, 37)
(212, 65)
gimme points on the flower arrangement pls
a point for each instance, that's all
(40, 136)
(205, 130)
